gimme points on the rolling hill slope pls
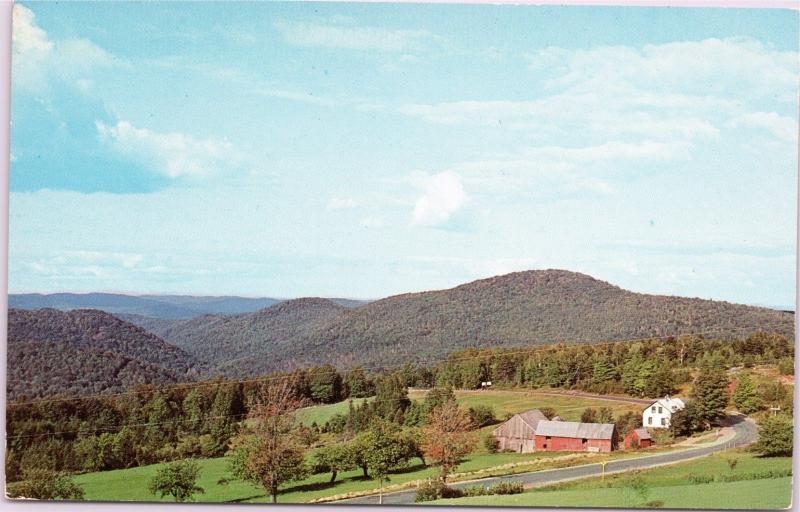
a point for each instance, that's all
(516, 309)
(88, 351)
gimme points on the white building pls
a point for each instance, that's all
(659, 413)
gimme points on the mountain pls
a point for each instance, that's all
(88, 351)
(146, 307)
(522, 308)
(243, 343)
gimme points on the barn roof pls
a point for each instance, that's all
(532, 417)
(575, 430)
(642, 433)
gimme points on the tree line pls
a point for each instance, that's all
(156, 424)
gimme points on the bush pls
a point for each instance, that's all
(491, 443)
(506, 488)
(786, 366)
(701, 479)
(481, 415)
(434, 490)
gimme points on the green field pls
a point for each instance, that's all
(131, 484)
(322, 413)
(668, 484)
(512, 401)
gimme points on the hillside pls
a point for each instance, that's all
(88, 351)
(244, 343)
(516, 309)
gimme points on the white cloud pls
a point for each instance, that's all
(37, 58)
(29, 40)
(342, 203)
(442, 196)
(171, 154)
(350, 37)
(715, 66)
(783, 128)
(372, 222)
(306, 97)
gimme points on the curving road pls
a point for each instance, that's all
(745, 430)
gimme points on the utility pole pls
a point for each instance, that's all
(603, 469)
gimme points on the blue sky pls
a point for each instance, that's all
(362, 150)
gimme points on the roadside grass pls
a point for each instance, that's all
(753, 494)
(669, 484)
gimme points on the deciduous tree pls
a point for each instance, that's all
(448, 437)
(178, 479)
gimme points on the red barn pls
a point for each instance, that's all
(569, 436)
(638, 437)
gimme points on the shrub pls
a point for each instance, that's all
(701, 479)
(491, 443)
(435, 489)
(786, 366)
(481, 415)
(506, 488)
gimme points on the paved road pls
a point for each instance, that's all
(745, 433)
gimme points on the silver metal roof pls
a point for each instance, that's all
(642, 433)
(533, 417)
(575, 429)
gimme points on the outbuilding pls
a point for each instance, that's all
(556, 436)
(518, 433)
(638, 438)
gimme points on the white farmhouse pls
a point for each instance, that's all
(659, 413)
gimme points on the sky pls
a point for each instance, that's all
(363, 150)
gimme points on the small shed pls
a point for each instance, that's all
(571, 436)
(518, 433)
(638, 437)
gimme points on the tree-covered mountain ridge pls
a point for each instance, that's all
(522, 308)
(88, 351)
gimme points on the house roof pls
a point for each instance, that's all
(575, 429)
(642, 433)
(671, 404)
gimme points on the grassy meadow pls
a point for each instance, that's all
(131, 484)
(669, 485)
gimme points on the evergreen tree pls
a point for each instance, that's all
(775, 436)
(746, 398)
(357, 384)
(710, 395)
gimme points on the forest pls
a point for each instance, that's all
(149, 424)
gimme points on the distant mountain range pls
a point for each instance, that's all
(155, 306)
(88, 351)
(53, 351)
(523, 308)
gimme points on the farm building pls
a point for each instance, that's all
(659, 413)
(575, 437)
(638, 437)
(518, 432)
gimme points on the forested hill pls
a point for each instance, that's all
(152, 308)
(88, 351)
(522, 308)
(157, 306)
